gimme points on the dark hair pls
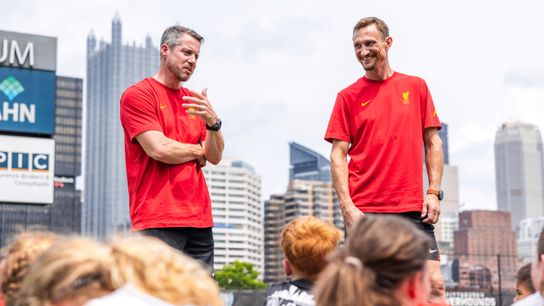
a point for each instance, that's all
(381, 252)
(524, 277)
(367, 21)
(171, 35)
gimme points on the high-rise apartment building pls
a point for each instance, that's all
(528, 233)
(306, 164)
(485, 249)
(111, 68)
(235, 191)
(309, 193)
(519, 171)
(303, 198)
(40, 126)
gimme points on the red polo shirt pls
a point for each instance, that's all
(384, 122)
(163, 195)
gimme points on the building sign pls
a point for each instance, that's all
(28, 51)
(26, 169)
(459, 298)
(27, 101)
(64, 181)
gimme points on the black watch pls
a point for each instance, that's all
(216, 127)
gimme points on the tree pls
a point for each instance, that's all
(239, 275)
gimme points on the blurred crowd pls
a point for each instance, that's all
(383, 263)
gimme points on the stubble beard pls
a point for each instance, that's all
(178, 73)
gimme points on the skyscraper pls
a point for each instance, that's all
(306, 164)
(303, 198)
(235, 190)
(111, 68)
(443, 133)
(519, 171)
(309, 193)
(55, 117)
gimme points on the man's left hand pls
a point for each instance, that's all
(200, 105)
(431, 209)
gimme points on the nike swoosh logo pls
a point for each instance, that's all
(432, 251)
(365, 103)
(163, 106)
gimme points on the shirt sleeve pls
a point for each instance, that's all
(429, 116)
(138, 112)
(339, 127)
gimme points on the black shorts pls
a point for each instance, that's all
(415, 218)
(195, 242)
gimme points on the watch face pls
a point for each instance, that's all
(441, 195)
(216, 126)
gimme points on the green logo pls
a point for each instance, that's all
(11, 88)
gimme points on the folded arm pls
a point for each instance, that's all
(161, 148)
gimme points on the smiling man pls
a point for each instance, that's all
(382, 122)
(170, 134)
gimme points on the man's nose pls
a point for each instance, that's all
(364, 51)
(192, 59)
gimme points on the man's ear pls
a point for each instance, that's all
(287, 267)
(388, 42)
(164, 50)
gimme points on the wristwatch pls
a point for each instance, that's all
(438, 193)
(216, 127)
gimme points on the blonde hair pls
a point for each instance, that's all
(19, 254)
(381, 252)
(157, 269)
(306, 242)
(73, 268)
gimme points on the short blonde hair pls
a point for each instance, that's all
(72, 268)
(152, 266)
(306, 242)
(19, 254)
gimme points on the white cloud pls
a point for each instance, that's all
(273, 68)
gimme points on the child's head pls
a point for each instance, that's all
(161, 271)
(524, 285)
(20, 254)
(384, 263)
(72, 271)
(305, 243)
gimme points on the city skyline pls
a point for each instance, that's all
(474, 93)
(111, 68)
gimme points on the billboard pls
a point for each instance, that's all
(29, 51)
(26, 169)
(27, 101)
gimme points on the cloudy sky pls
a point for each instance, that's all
(273, 68)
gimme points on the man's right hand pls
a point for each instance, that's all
(351, 215)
